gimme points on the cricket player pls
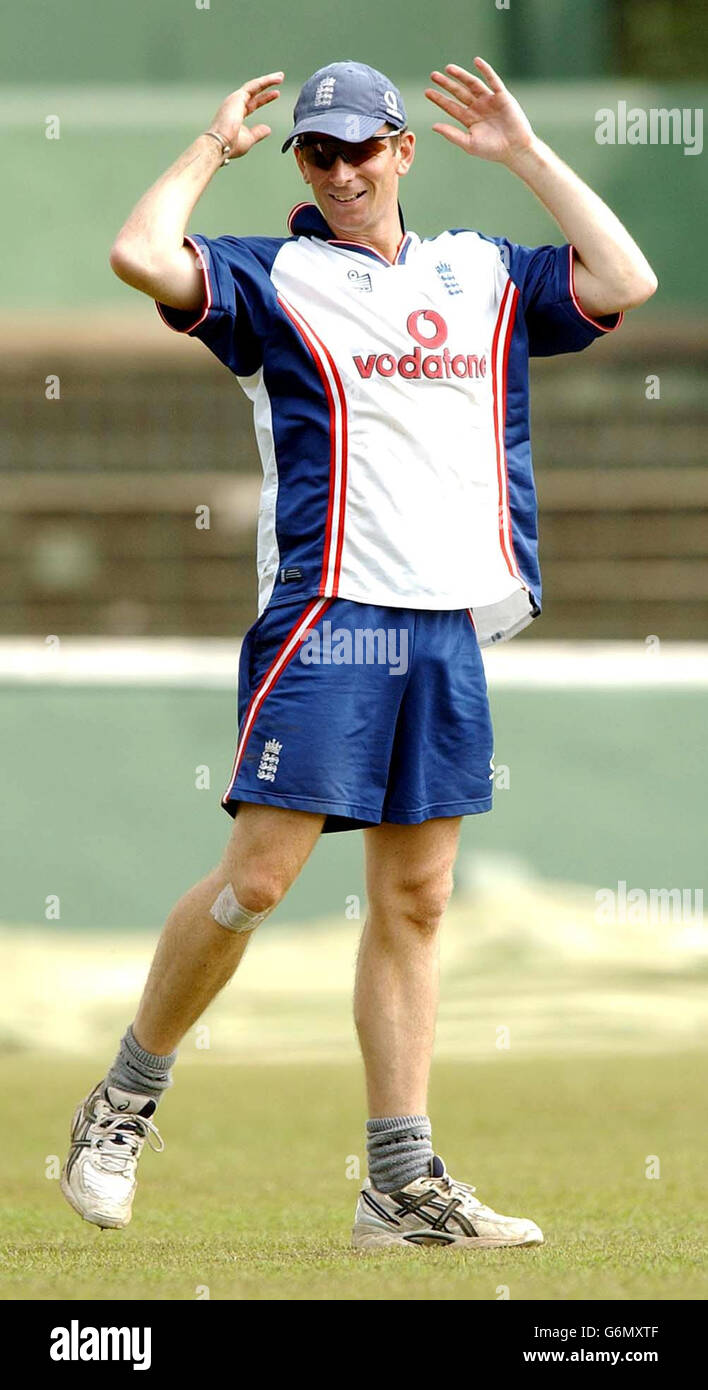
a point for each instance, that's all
(396, 537)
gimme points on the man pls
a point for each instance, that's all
(388, 377)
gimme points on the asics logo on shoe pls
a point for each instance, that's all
(427, 1205)
(370, 1201)
(437, 1213)
(79, 1140)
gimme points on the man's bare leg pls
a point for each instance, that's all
(195, 957)
(409, 880)
(414, 1201)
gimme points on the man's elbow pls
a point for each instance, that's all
(639, 290)
(122, 260)
(131, 264)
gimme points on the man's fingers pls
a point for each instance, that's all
(475, 87)
(256, 84)
(261, 99)
(453, 108)
(451, 133)
(491, 76)
(259, 132)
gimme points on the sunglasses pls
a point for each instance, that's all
(324, 152)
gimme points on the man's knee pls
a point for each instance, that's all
(263, 857)
(419, 898)
(246, 900)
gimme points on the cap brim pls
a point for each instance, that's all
(336, 124)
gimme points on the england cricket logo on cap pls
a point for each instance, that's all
(325, 91)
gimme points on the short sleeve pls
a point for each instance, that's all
(544, 276)
(237, 289)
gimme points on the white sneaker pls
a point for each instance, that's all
(108, 1132)
(435, 1210)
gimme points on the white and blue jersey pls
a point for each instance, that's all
(397, 524)
(391, 409)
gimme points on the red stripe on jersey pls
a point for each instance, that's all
(314, 610)
(338, 449)
(502, 342)
(507, 345)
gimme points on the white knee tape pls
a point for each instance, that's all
(227, 911)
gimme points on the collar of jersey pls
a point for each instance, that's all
(307, 220)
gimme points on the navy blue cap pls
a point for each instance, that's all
(349, 101)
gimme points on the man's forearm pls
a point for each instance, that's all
(149, 252)
(154, 233)
(617, 274)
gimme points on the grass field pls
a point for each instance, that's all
(251, 1199)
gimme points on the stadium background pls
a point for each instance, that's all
(120, 619)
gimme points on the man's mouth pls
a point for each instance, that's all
(353, 198)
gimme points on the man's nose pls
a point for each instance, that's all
(341, 171)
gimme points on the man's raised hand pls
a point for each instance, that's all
(229, 119)
(494, 125)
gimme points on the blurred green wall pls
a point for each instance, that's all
(198, 40)
(133, 83)
(101, 805)
(188, 40)
(69, 196)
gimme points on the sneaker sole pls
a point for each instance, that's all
(375, 1240)
(105, 1222)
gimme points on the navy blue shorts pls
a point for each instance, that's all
(363, 713)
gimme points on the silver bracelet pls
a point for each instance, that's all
(225, 146)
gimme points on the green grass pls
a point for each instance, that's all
(251, 1197)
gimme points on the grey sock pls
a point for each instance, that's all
(399, 1150)
(139, 1071)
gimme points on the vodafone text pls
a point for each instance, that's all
(416, 364)
(75, 1343)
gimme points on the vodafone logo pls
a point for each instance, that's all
(435, 332)
(429, 331)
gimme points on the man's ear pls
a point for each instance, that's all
(408, 154)
(301, 166)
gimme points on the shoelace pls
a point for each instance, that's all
(119, 1140)
(452, 1185)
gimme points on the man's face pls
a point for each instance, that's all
(355, 198)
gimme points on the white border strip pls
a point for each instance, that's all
(212, 663)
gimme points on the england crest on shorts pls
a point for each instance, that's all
(270, 758)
